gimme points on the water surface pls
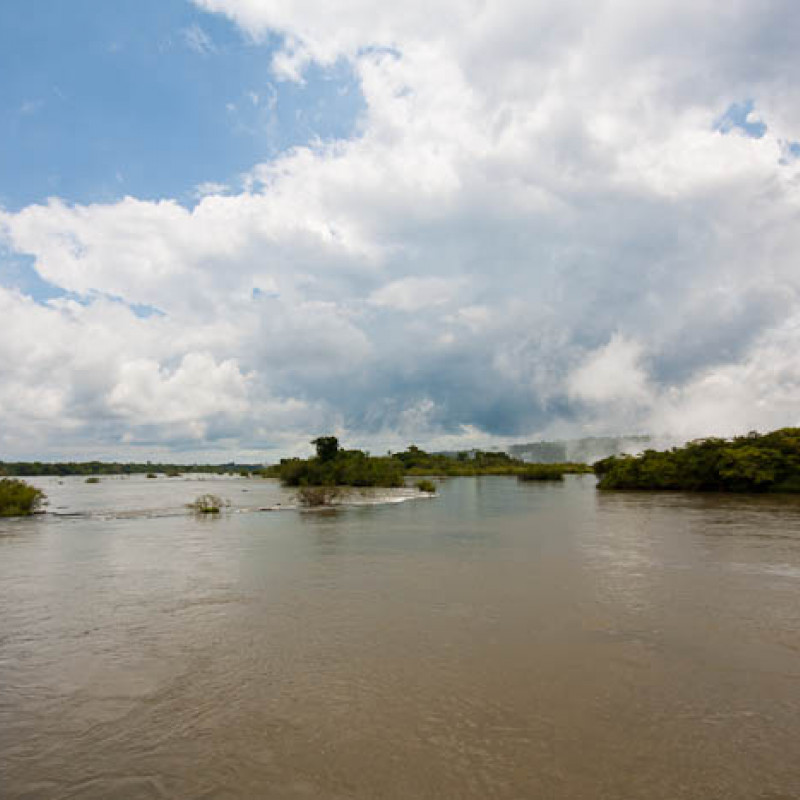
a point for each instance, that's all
(502, 640)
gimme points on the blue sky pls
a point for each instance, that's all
(146, 97)
(229, 226)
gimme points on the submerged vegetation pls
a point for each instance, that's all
(208, 504)
(756, 462)
(426, 486)
(18, 499)
(317, 496)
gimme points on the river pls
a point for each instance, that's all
(501, 640)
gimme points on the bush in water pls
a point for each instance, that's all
(18, 499)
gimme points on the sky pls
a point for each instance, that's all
(229, 226)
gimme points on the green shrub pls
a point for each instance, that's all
(18, 499)
(756, 462)
(316, 496)
(542, 472)
(426, 486)
(208, 504)
(335, 467)
(151, 475)
(92, 480)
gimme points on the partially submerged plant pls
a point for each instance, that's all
(151, 475)
(19, 499)
(208, 504)
(317, 496)
(92, 480)
(426, 486)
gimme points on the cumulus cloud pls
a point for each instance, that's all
(541, 225)
(413, 294)
(611, 374)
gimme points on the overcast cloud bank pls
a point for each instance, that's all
(554, 219)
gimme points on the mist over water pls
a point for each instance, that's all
(502, 640)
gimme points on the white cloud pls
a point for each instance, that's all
(413, 294)
(611, 374)
(759, 392)
(146, 393)
(207, 188)
(538, 187)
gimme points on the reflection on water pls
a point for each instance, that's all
(503, 640)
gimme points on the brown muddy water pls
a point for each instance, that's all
(502, 640)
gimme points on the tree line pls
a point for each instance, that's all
(334, 466)
(63, 468)
(768, 462)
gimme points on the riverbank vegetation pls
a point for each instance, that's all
(334, 466)
(22, 469)
(331, 466)
(18, 499)
(475, 462)
(756, 462)
(542, 472)
(753, 463)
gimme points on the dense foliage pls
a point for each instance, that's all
(333, 466)
(416, 461)
(543, 472)
(474, 462)
(753, 463)
(18, 499)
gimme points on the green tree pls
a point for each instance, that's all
(327, 447)
(751, 463)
